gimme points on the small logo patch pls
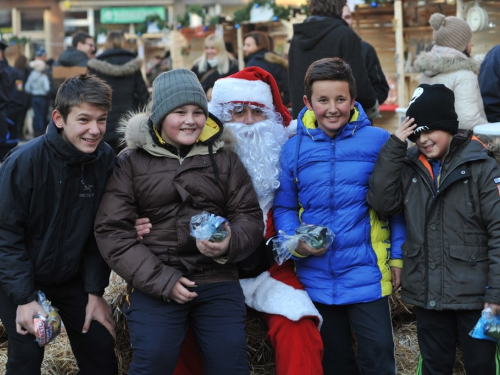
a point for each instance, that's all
(496, 180)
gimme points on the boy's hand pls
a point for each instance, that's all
(215, 249)
(495, 309)
(305, 250)
(405, 129)
(142, 226)
(395, 278)
(179, 292)
(98, 309)
(24, 317)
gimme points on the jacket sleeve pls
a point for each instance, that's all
(490, 209)
(117, 238)
(375, 73)
(16, 269)
(286, 201)
(385, 194)
(398, 236)
(243, 212)
(141, 90)
(489, 83)
(351, 45)
(468, 102)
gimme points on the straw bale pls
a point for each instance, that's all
(59, 359)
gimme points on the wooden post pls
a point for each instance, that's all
(400, 63)
(239, 36)
(460, 9)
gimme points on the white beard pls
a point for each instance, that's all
(259, 146)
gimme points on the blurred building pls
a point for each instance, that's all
(50, 23)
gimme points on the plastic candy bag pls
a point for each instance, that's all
(316, 236)
(207, 226)
(487, 327)
(46, 329)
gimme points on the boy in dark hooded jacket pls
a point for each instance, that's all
(448, 187)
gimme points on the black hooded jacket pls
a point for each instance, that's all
(121, 69)
(319, 37)
(50, 195)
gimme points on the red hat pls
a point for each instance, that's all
(251, 85)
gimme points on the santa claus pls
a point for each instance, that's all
(249, 105)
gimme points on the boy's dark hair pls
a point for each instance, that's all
(261, 39)
(326, 7)
(79, 37)
(82, 88)
(329, 69)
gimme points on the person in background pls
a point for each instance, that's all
(51, 188)
(447, 185)
(20, 100)
(121, 69)
(83, 47)
(489, 84)
(258, 52)
(373, 67)
(38, 86)
(41, 54)
(215, 63)
(325, 34)
(8, 130)
(449, 62)
(324, 180)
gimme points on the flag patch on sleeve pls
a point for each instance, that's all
(496, 180)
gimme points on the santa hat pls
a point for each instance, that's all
(251, 85)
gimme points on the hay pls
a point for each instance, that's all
(59, 359)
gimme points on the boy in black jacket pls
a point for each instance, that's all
(51, 188)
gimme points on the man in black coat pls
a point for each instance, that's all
(8, 133)
(325, 34)
(372, 63)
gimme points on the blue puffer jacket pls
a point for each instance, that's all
(331, 183)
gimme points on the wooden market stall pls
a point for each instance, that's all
(399, 31)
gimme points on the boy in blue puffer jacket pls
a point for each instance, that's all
(324, 181)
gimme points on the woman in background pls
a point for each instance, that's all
(449, 62)
(257, 48)
(215, 63)
(121, 69)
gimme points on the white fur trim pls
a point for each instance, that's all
(265, 294)
(292, 128)
(241, 90)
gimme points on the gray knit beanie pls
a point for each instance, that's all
(172, 90)
(450, 31)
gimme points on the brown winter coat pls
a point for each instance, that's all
(149, 181)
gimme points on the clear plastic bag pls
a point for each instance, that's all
(487, 327)
(207, 226)
(46, 329)
(316, 236)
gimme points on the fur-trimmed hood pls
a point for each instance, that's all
(444, 60)
(274, 58)
(104, 67)
(135, 133)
